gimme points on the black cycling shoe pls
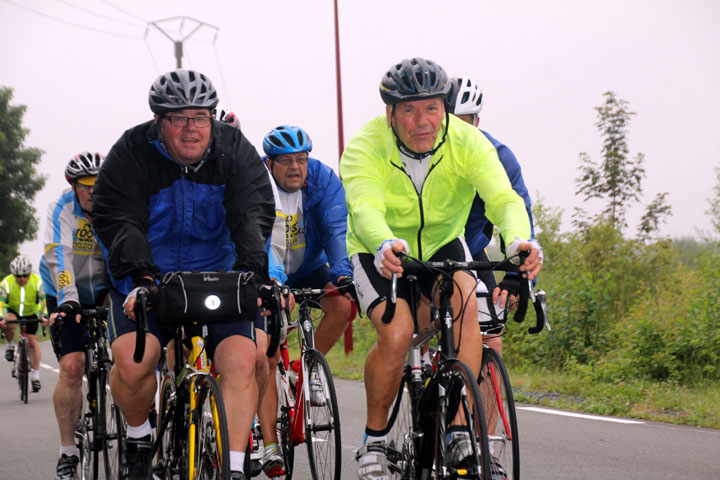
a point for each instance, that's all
(35, 385)
(67, 467)
(235, 475)
(10, 354)
(137, 461)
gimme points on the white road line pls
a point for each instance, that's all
(578, 415)
(49, 367)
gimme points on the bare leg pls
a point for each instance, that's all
(383, 365)
(331, 327)
(67, 397)
(235, 359)
(133, 384)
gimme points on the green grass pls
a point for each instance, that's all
(656, 401)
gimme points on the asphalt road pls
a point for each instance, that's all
(554, 444)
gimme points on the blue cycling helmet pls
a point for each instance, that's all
(286, 139)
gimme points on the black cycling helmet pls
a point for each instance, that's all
(413, 79)
(464, 98)
(181, 89)
(83, 164)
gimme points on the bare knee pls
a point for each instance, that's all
(72, 368)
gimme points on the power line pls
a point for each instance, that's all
(124, 11)
(65, 2)
(42, 14)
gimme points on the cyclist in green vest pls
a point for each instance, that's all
(22, 297)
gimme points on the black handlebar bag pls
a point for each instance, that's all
(207, 297)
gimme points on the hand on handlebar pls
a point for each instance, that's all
(533, 263)
(387, 261)
(68, 309)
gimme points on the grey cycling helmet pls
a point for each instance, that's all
(181, 89)
(20, 266)
(465, 97)
(84, 164)
(413, 79)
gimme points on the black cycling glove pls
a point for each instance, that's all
(69, 309)
(512, 283)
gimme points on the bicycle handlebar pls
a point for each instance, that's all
(415, 266)
(271, 296)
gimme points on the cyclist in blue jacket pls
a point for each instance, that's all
(310, 241)
(465, 101)
(181, 192)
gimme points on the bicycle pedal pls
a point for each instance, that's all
(275, 472)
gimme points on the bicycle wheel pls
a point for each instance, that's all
(499, 412)
(23, 368)
(460, 404)
(105, 432)
(284, 422)
(401, 433)
(211, 459)
(87, 466)
(322, 422)
(169, 460)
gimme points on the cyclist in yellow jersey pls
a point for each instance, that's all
(22, 297)
(410, 177)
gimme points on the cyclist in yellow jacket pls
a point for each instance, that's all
(22, 297)
(410, 177)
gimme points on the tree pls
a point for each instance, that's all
(714, 202)
(618, 178)
(19, 180)
(655, 214)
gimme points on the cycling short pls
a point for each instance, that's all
(30, 328)
(487, 277)
(373, 289)
(72, 336)
(317, 279)
(119, 324)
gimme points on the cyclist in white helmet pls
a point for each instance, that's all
(465, 101)
(73, 274)
(22, 297)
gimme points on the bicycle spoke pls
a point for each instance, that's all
(322, 420)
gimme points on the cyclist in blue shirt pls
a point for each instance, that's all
(73, 274)
(309, 240)
(465, 101)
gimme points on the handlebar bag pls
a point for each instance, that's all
(207, 297)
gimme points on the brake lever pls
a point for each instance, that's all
(541, 312)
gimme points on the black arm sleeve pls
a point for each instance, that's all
(250, 207)
(120, 209)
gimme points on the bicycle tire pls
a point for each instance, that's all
(401, 433)
(284, 423)
(462, 397)
(105, 431)
(500, 415)
(23, 369)
(322, 424)
(168, 459)
(212, 444)
(87, 466)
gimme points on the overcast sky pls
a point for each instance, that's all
(83, 69)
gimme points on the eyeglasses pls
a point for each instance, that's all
(179, 121)
(285, 161)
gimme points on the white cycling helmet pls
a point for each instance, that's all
(465, 97)
(20, 266)
(83, 165)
